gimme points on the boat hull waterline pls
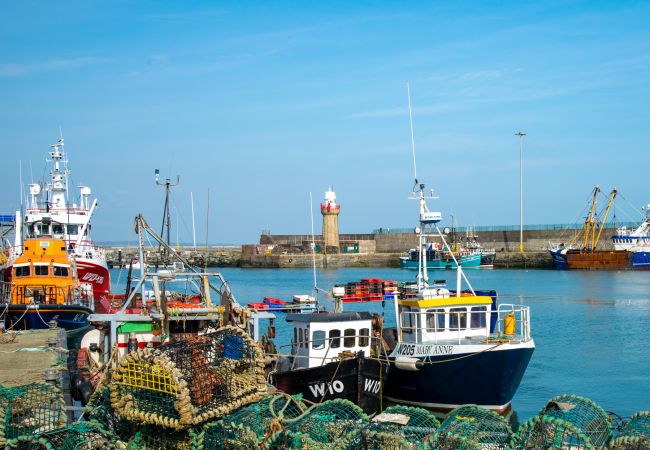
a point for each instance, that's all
(443, 382)
(468, 261)
(37, 317)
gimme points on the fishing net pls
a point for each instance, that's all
(99, 410)
(189, 382)
(567, 421)
(78, 436)
(150, 437)
(250, 426)
(320, 427)
(398, 427)
(30, 409)
(635, 434)
(471, 427)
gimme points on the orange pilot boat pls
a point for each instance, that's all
(44, 287)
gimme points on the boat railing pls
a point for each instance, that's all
(461, 326)
(42, 294)
(513, 321)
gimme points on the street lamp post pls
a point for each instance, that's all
(521, 135)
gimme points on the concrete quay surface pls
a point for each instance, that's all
(26, 355)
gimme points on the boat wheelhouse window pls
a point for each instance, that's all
(435, 320)
(57, 228)
(457, 319)
(73, 229)
(60, 271)
(41, 229)
(407, 319)
(301, 341)
(41, 270)
(364, 337)
(478, 317)
(335, 338)
(295, 336)
(348, 340)
(318, 340)
(22, 271)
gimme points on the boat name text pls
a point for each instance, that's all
(424, 349)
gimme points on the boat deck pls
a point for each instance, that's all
(24, 359)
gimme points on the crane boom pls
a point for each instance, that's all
(590, 221)
(612, 196)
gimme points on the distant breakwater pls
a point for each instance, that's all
(242, 257)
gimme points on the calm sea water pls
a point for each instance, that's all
(590, 328)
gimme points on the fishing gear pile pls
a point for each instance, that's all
(567, 421)
(635, 434)
(471, 427)
(321, 427)
(78, 436)
(251, 426)
(190, 382)
(30, 409)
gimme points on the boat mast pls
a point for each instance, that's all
(428, 218)
(166, 222)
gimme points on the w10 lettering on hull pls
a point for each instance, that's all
(356, 379)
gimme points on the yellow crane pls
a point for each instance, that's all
(591, 222)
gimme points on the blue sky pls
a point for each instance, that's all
(263, 103)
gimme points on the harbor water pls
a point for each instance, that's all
(590, 328)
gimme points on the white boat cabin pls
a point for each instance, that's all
(437, 315)
(319, 338)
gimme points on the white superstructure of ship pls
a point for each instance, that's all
(50, 212)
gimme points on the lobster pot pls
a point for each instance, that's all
(151, 437)
(323, 426)
(189, 382)
(567, 421)
(250, 426)
(471, 427)
(635, 434)
(78, 436)
(30, 409)
(99, 410)
(400, 427)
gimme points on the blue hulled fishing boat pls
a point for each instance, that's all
(453, 347)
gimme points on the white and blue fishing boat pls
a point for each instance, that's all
(454, 347)
(437, 258)
(636, 241)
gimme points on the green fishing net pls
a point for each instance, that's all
(252, 425)
(471, 427)
(99, 409)
(567, 421)
(320, 427)
(78, 436)
(635, 434)
(30, 409)
(398, 427)
(150, 437)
